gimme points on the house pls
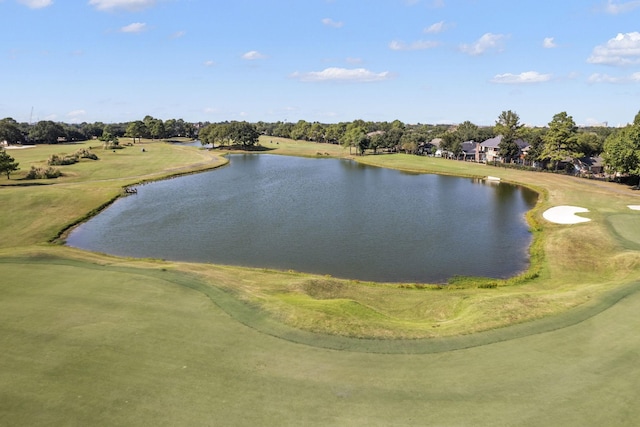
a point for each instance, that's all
(470, 151)
(590, 165)
(489, 150)
(435, 143)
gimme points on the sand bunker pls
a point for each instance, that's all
(18, 147)
(634, 207)
(565, 215)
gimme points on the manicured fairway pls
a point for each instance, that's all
(90, 339)
(125, 346)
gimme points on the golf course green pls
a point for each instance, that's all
(92, 339)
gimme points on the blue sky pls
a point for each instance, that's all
(419, 61)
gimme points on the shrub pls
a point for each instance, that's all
(85, 153)
(43, 173)
(59, 160)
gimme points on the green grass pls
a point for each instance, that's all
(114, 345)
(89, 339)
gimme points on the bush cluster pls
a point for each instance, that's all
(43, 173)
(61, 160)
(85, 153)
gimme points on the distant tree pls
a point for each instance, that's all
(135, 130)
(283, 129)
(560, 141)
(109, 139)
(335, 132)
(46, 132)
(316, 132)
(467, 131)
(188, 129)
(534, 136)
(590, 143)
(377, 140)
(7, 163)
(215, 133)
(300, 130)
(622, 149)
(93, 130)
(409, 142)
(397, 124)
(508, 125)
(243, 133)
(156, 129)
(451, 143)
(393, 136)
(10, 131)
(74, 133)
(353, 136)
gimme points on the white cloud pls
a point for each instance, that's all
(253, 55)
(487, 42)
(136, 27)
(417, 45)
(129, 5)
(209, 63)
(351, 60)
(522, 78)
(76, 116)
(624, 49)
(616, 8)
(334, 74)
(178, 34)
(438, 27)
(36, 4)
(76, 113)
(606, 78)
(331, 23)
(549, 43)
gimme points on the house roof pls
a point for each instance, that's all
(592, 161)
(470, 147)
(495, 142)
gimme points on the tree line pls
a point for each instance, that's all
(50, 132)
(550, 145)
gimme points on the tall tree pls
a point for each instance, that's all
(536, 144)
(7, 163)
(622, 149)
(508, 125)
(335, 132)
(135, 130)
(560, 141)
(156, 129)
(353, 136)
(300, 130)
(590, 143)
(467, 131)
(317, 132)
(10, 131)
(243, 133)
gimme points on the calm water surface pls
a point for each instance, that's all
(324, 216)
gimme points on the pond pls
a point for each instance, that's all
(325, 216)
